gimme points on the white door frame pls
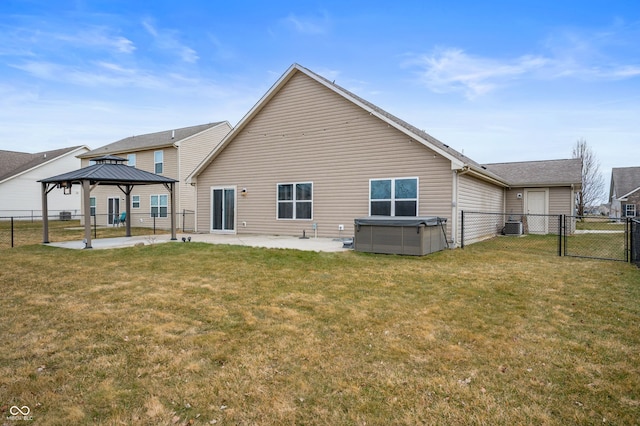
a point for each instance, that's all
(539, 222)
(235, 210)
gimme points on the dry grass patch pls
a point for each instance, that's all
(197, 333)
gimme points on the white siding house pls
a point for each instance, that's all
(20, 191)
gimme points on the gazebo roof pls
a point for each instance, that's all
(110, 170)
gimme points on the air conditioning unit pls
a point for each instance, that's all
(512, 228)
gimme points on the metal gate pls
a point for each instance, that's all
(597, 238)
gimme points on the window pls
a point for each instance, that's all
(295, 200)
(92, 206)
(158, 160)
(159, 205)
(131, 160)
(393, 197)
(135, 201)
(630, 210)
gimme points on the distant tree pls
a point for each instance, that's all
(592, 180)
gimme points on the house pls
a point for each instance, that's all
(311, 157)
(19, 174)
(171, 153)
(624, 192)
(540, 188)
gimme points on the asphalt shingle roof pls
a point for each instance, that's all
(149, 140)
(625, 180)
(14, 162)
(548, 172)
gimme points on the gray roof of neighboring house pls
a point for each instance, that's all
(111, 170)
(149, 140)
(13, 162)
(540, 173)
(625, 180)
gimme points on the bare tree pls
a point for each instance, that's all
(592, 180)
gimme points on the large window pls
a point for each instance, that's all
(393, 197)
(159, 205)
(295, 200)
(158, 160)
(630, 210)
(135, 201)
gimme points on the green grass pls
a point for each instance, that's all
(191, 333)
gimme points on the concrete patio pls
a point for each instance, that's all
(265, 241)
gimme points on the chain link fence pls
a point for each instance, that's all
(590, 237)
(68, 226)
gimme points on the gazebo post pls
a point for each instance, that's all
(127, 219)
(86, 192)
(173, 211)
(45, 215)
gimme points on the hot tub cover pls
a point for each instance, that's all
(401, 221)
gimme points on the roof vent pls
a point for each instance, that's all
(173, 134)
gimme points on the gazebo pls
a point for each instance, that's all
(107, 170)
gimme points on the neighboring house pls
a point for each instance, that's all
(624, 192)
(171, 153)
(311, 156)
(20, 192)
(540, 188)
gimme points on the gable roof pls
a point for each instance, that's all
(625, 181)
(13, 163)
(540, 173)
(147, 141)
(458, 160)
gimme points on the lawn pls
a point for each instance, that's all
(194, 333)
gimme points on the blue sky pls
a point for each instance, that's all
(499, 80)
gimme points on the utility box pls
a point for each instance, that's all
(65, 215)
(415, 236)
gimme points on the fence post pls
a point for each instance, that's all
(562, 224)
(11, 231)
(627, 235)
(462, 229)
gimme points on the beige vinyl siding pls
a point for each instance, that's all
(513, 204)
(475, 195)
(307, 133)
(192, 151)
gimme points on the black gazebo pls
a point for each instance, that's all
(107, 170)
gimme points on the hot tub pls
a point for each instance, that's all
(415, 236)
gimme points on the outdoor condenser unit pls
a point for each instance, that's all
(513, 228)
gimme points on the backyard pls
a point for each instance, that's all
(196, 333)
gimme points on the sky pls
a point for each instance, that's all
(499, 81)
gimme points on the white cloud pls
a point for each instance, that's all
(453, 70)
(167, 40)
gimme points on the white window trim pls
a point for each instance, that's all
(139, 203)
(159, 206)
(626, 210)
(393, 194)
(294, 201)
(94, 207)
(156, 162)
(132, 156)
